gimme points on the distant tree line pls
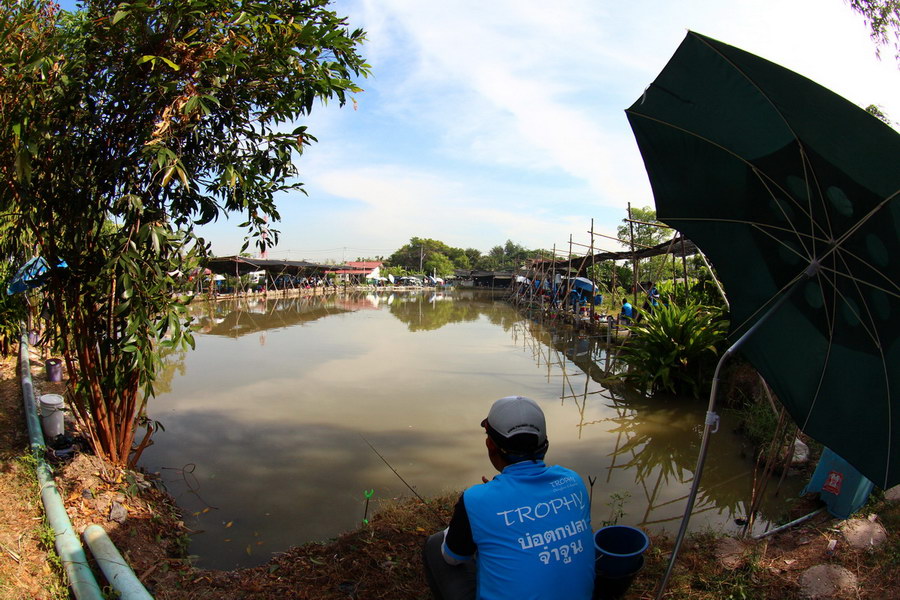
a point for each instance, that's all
(425, 255)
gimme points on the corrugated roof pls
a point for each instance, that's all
(242, 264)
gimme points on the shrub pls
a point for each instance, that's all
(674, 348)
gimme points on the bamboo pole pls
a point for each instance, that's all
(634, 258)
(609, 237)
(593, 308)
(554, 291)
(660, 225)
(569, 273)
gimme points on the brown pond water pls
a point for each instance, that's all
(266, 422)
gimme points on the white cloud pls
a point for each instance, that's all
(488, 121)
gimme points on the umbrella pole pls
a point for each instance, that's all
(712, 419)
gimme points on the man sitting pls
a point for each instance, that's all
(627, 313)
(525, 534)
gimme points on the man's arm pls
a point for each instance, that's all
(458, 546)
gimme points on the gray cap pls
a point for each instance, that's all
(517, 414)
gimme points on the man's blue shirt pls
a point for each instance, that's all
(531, 529)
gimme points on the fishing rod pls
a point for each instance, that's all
(384, 460)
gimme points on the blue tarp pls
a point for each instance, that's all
(34, 273)
(841, 487)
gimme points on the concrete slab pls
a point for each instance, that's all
(863, 533)
(826, 581)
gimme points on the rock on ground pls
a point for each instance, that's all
(826, 581)
(863, 533)
(893, 494)
(801, 454)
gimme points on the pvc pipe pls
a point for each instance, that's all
(788, 525)
(114, 567)
(71, 554)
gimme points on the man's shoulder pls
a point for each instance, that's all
(555, 476)
(564, 476)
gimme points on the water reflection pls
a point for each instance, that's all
(657, 440)
(427, 313)
(244, 316)
(263, 445)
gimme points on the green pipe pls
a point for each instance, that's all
(114, 567)
(71, 554)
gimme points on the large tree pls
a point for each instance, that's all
(420, 252)
(123, 126)
(642, 229)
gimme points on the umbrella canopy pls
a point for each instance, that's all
(790, 190)
(583, 283)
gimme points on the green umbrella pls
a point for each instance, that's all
(792, 193)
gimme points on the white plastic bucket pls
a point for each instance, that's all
(52, 408)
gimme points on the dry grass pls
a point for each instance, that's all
(28, 563)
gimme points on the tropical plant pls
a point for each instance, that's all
(673, 348)
(122, 127)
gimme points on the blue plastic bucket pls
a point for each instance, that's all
(620, 550)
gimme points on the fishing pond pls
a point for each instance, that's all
(274, 424)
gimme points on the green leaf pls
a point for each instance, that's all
(189, 106)
(154, 240)
(121, 14)
(167, 176)
(170, 63)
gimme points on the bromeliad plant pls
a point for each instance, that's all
(674, 349)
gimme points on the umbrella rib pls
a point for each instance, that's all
(763, 176)
(766, 229)
(752, 82)
(872, 329)
(763, 227)
(751, 318)
(830, 317)
(851, 230)
(808, 212)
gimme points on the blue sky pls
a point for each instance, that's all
(488, 121)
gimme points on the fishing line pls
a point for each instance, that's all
(384, 460)
(193, 484)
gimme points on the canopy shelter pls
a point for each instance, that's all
(491, 279)
(241, 265)
(237, 266)
(576, 266)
